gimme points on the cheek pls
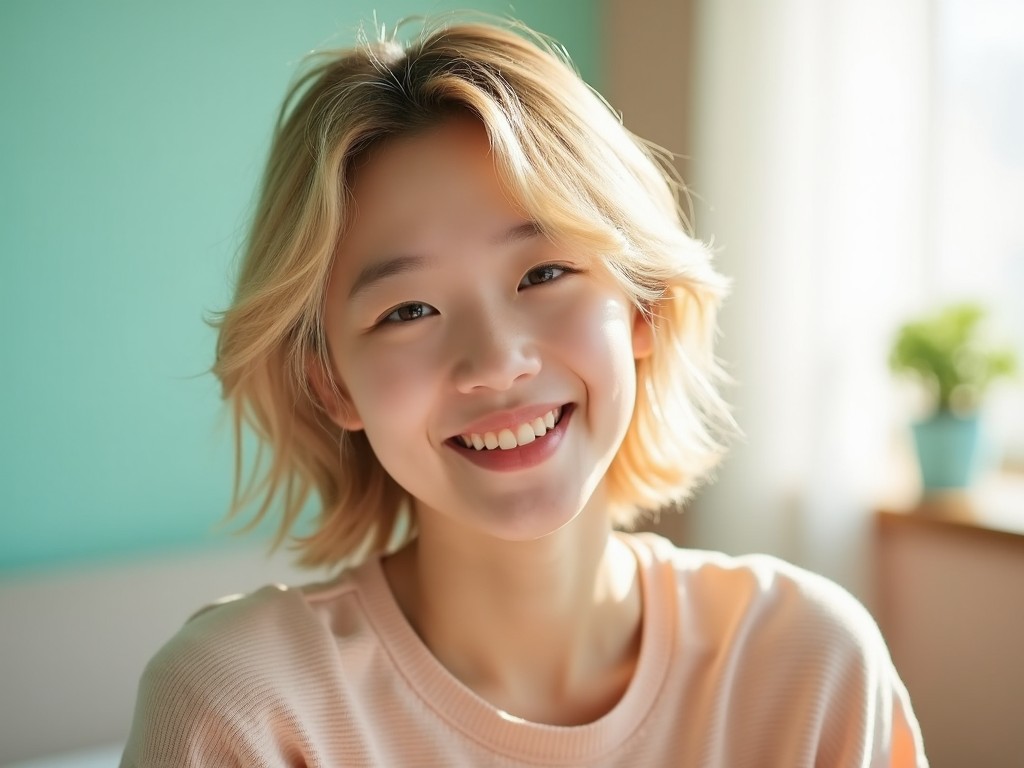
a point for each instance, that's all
(596, 335)
(391, 387)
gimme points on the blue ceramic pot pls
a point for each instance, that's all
(948, 450)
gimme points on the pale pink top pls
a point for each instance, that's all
(744, 661)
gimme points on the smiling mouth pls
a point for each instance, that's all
(513, 437)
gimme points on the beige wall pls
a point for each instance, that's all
(647, 77)
(648, 70)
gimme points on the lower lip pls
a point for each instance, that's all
(522, 457)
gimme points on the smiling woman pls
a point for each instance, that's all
(537, 162)
(469, 298)
(491, 327)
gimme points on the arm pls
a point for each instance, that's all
(869, 721)
(907, 748)
(181, 720)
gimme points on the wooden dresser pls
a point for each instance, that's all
(949, 597)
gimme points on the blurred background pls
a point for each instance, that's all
(855, 165)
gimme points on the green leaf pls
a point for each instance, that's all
(947, 353)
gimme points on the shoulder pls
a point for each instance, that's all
(771, 599)
(230, 651)
(787, 650)
(256, 639)
(236, 677)
(234, 637)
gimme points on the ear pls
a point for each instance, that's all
(334, 399)
(643, 333)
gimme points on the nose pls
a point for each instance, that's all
(494, 353)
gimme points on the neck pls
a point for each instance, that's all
(547, 630)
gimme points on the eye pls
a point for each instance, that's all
(543, 274)
(408, 312)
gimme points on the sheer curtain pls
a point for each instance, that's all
(810, 170)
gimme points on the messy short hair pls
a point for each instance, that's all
(566, 158)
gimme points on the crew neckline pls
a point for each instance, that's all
(505, 734)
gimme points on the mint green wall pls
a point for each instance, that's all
(133, 135)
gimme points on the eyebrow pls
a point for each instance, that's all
(372, 274)
(523, 231)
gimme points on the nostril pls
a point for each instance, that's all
(498, 374)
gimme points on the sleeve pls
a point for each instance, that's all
(184, 716)
(226, 691)
(867, 717)
(907, 745)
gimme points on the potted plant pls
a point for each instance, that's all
(948, 354)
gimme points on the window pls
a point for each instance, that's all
(977, 198)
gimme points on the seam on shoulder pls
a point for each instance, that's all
(228, 599)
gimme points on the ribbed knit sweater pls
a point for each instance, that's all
(744, 661)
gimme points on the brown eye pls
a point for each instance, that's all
(409, 312)
(544, 274)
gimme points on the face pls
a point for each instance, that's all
(451, 320)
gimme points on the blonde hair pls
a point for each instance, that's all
(572, 167)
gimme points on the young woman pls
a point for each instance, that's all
(471, 321)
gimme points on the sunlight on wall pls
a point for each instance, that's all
(810, 164)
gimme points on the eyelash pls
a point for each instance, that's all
(544, 267)
(386, 320)
(561, 268)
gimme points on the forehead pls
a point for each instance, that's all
(432, 186)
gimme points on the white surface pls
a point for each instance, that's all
(74, 641)
(101, 757)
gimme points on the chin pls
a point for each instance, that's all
(533, 529)
(514, 515)
(530, 520)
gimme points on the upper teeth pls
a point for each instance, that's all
(507, 439)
